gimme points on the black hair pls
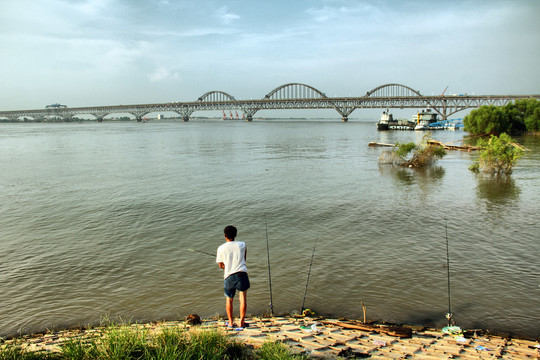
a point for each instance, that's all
(230, 232)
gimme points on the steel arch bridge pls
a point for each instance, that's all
(286, 96)
(393, 90)
(216, 96)
(294, 91)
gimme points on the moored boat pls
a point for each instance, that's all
(424, 119)
(383, 123)
(387, 122)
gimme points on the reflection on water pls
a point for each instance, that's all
(426, 177)
(497, 189)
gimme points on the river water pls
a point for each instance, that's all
(96, 220)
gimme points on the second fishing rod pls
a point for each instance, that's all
(269, 268)
(309, 273)
(270, 275)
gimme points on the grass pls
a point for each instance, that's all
(119, 342)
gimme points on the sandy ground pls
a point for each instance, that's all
(333, 338)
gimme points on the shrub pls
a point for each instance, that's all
(498, 155)
(423, 154)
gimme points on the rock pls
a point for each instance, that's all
(193, 319)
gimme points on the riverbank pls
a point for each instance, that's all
(329, 338)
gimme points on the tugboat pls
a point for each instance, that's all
(424, 119)
(385, 120)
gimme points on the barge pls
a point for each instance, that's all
(424, 120)
(387, 122)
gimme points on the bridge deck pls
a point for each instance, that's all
(289, 96)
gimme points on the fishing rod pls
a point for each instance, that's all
(269, 276)
(449, 315)
(202, 252)
(309, 272)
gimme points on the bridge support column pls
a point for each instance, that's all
(186, 113)
(99, 117)
(345, 112)
(138, 115)
(248, 114)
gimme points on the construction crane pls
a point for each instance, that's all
(444, 91)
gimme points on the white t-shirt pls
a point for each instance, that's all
(232, 254)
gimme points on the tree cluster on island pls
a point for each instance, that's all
(514, 118)
(500, 153)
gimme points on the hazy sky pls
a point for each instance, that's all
(106, 52)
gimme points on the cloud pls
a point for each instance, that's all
(327, 13)
(337, 14)
(162, 73)
(192, 32)
(225, 16)
(89, 7)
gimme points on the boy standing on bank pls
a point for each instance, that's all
(231, 257)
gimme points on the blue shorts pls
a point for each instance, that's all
(237, 281)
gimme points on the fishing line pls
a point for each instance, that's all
(449, 315)
(202, 252)
(269, 276)
(309, 272)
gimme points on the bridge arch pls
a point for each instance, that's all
(294, 91)
(216, 96)
(393, 90)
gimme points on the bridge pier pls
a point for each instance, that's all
(186, 113)
(249, 118)
(345, 112)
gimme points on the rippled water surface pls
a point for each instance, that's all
(96, 221)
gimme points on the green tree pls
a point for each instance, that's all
(513, 118)
(521, 110)
(532, 121)
(498, 155)
(486, 120)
